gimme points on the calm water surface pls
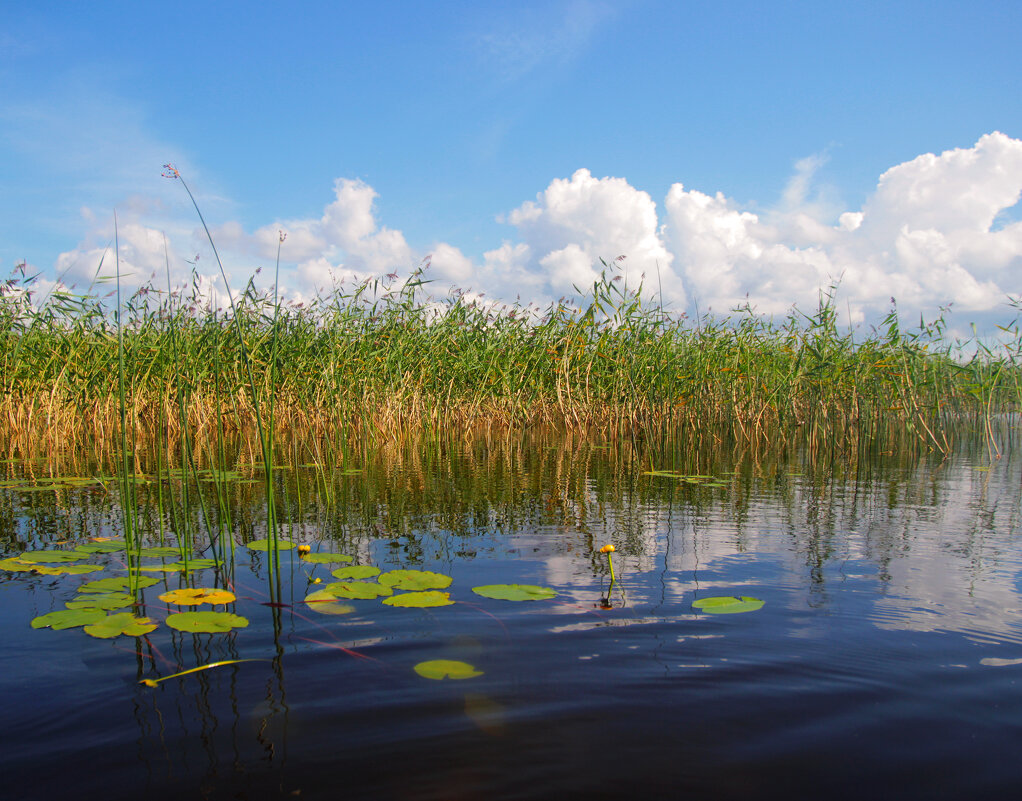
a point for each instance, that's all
(887, 658)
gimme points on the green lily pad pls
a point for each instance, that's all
(364, 590)
(171, 568)
(67, 570)
(51, 556)
(515, 592)
(101, 600)
(440, 669)
(728, 605)
(355, 572)
(415, 580)
(119, 584)
(420, 599)
(197, 564)
(326, 558)
(14, 564)
(158, 552)
(265, 545)
(326, 603)
(207, 622)
(101, 547)
(121, 623)
(67, 618)
(218, 475)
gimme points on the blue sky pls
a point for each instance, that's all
(735, 149)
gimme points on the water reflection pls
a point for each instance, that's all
(879, 579)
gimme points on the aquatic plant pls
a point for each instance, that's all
(384, 359)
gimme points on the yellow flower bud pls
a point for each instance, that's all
(608, 549)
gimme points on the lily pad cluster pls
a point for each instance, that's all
(96, 603)
(424, 588)
(705, 481)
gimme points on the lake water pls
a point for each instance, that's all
(886, 659)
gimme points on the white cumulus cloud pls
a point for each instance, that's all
(936, 229)
(926, 236)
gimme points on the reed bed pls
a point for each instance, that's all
(386, 360)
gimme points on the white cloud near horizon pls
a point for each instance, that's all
(934, 231)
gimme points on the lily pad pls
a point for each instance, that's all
(265, 545)
(515, 592)
(420, 599)
(326, 558)
(728, 605)
(101, 547)
(415, 580)
(326, 603)
(121, 623)
(355, 572)
(67, 570)
(207, 622)
(118, 584)
(197, 564)
(101, 600)
(440, 669)
(364, 590)
(194, 597)
(14, 564)
(51, 556)
(67, 618)
(171, 568)
(158, 552)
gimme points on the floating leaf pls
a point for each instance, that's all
(355, 572)
(67, 618)
(121, 623)
(266, 545)
(171, 568)
(51, 556)
(67, 570)
(415, 580)
(420, 599)
(101, 600)
(101, 547)
(117, 584)
(326, 558)
(515, 592)
(194, 597)
(218, 475)
(325, 602)
(364, 590)
(446, 669)
(14, 564)
(197, 564)
(728, 605)
(208, 622)
(158, 552)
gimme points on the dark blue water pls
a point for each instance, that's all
(887, 659)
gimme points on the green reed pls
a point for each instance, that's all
(382, 359)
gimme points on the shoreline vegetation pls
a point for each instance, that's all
(386, 360)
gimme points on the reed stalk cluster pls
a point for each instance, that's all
(385, 359)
